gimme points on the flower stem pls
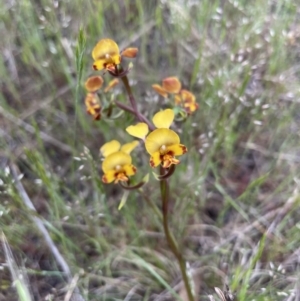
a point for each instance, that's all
(130, 95)
(164, 189)
(130, 110)
(135, 111)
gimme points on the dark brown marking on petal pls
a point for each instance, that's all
(151, 163)
(97, 116)
(184, 149)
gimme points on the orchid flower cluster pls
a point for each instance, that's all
(162, 143)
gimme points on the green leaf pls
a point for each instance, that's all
(124, 199)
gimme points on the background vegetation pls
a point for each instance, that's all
(235, 206)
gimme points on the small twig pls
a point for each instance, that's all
(38, 104)
(283, 211)
(260, 225)
(20, 281)
(275, 155)
(131, 293)
(72, 288)
(39, 223)
(141, 32)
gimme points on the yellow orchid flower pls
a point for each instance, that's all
(184, 96)
(117, 167)
(93, 106)
(106, 54)
(162, 144)
(117, 163)
(188, 101)
(172, 85)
